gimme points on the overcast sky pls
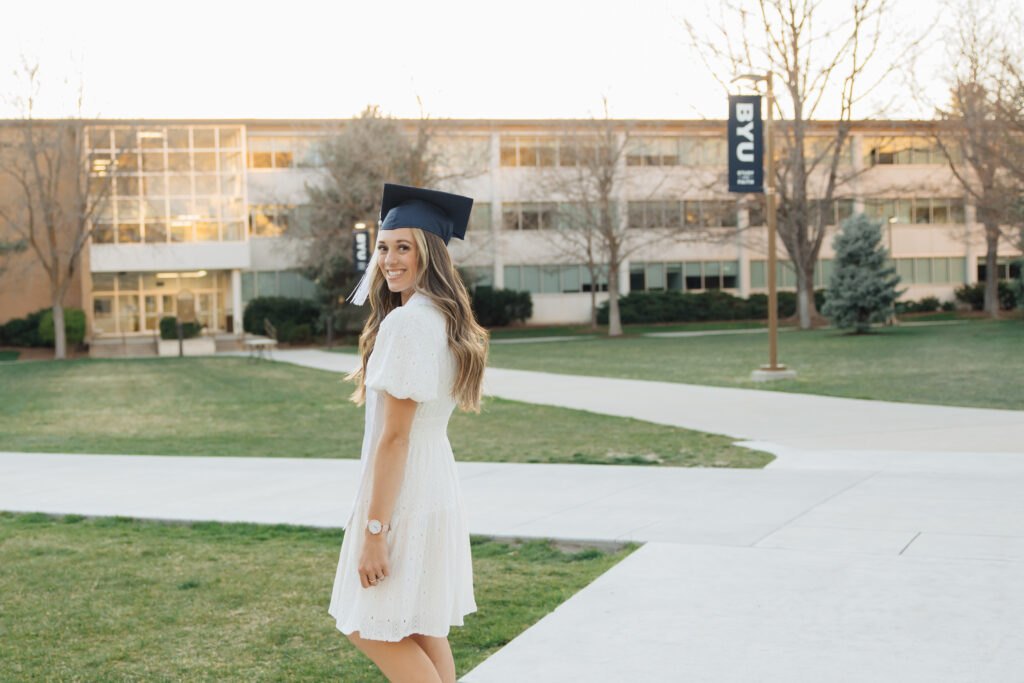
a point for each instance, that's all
(304, 59)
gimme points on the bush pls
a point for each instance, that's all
(279, 310)
(23, 331)
(948, 306)
(974, 295)
(500, 307)
(301, 334)
(74, 326)
(169, 328)
(673, 306)
(929, 304)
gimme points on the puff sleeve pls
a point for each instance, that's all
(405, 361)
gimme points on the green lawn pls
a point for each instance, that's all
(978, 363)
(237, 407)
(119, 599)
(584, 330)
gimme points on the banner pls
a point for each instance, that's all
(360, 247)
(746, 144)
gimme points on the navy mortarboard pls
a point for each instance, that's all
(441, 213)
(402, 206)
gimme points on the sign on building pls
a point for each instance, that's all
(360, 247)
(746, 144)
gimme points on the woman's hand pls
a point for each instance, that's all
(373, 562)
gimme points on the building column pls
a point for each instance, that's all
(496, 198)
(236, 301)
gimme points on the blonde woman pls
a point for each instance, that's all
(405, 573)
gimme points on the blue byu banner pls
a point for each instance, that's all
(360, 247)
(746, 144)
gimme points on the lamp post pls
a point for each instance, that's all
(774, 370)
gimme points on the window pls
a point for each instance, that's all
(529, 216)
(676, 214)
(512, 280)
(655, 276)
(637, 281)
(653, 151)
(570, 278)
(278, 152)
(529, 151)
(693, 276)
(586, 284)
(757, 274)
(530, 279)
(712, 273)
(674, 276)
(270, 220)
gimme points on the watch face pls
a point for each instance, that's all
(374, 526)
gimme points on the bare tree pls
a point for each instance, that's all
(589, 223)
(356, 160)
(982, 134)
(819, 63)
(54, 191)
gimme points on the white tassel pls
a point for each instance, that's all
(362, 290)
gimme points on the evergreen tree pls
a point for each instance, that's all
(863, 283)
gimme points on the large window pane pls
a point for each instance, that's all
(757, 274)
(940, 269)
(570, 278)
(655, 276)
(549, 279)
(674, 276)
(905, 269)
(530, 279)
(730, 272)
(637, 282)
(266, 283)
(203, 138)
(712, 272)
(923, 270)
(692, 277)
(512, 280)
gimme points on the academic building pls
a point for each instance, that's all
(209, 210)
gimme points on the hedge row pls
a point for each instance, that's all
(500, 307)
(36, 329)
(974, 295)
(672, 306)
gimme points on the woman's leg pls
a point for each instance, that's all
(402, 662)
(440, 654)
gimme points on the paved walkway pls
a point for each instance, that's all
(851, 559)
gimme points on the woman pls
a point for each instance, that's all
(405, 573)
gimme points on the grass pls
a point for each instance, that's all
(235, 407)
(977, 363)
(120, 599)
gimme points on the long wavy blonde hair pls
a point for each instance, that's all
(436, 279)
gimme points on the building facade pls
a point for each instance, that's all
(207, 212)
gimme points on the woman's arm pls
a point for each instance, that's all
(388, 471)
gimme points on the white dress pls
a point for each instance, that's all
(430, 586)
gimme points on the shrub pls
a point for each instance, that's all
(74, 326)
(169, 328)
(948, 306)
(974, 295)
(279, 310)
(301, 334)
(675, 306)
(500, 307)
(23, 331)
(929, 304)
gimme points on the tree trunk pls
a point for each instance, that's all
(805, 308)
(60, 342)
(614, 321)
(593, 302)
(991, 270)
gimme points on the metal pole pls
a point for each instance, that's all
(773, 306)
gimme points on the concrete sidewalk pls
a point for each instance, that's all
(886, 543)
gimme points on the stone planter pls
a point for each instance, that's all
(197, 346)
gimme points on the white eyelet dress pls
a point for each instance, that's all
(430, 587)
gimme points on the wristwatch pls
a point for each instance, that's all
(375, 527)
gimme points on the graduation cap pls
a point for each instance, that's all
(441, 213)
(403, 206)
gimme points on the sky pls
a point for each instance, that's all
(462, 59)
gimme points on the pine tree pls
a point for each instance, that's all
(863, 283)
